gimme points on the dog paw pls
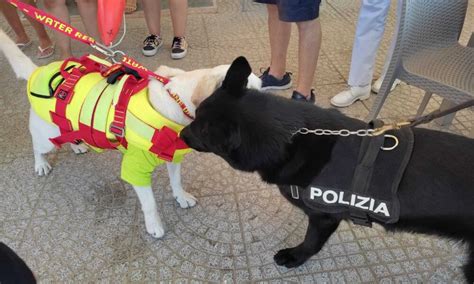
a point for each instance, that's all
(186, 200)
(80, 148)
(154, 227)
(43, 169)
(157, 232)
(290, 257)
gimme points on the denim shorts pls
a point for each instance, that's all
(295, 10)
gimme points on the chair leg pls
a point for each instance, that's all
(446, 121)
(381, 97)
(423, 104)
(472, 129)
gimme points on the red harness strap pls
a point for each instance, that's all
(64, 94)
(130, 88)
(165, 142)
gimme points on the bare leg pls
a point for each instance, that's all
(59, 9)
(179, 16)
(43, 37)
(10, 13)
(152, 11)
(279, 33)
(308, 53)
(88, 11)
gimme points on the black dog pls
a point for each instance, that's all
(253, 131)
(12, 268)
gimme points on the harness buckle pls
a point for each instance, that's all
(117, 130)
(62, 94)
(360, 219)
(393, 126)
(295, 192)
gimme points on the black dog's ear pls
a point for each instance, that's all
(237, 76)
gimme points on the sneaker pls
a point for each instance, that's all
(179, 48)
(350, 96)
(151, 45)
(377, 84)
(297, 96)
(269, 82)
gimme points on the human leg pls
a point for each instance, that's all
(276, 77)
(152, 11)
(279, 33)
(308, 52)
(10, 13)
(59, 9)
(179, 14)
(46, 48)
(88, 11)
(153, 42)
(369, 33)
(305, 13)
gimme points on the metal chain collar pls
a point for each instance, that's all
(346, 132)
(341, 132)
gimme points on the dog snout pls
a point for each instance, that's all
(185, 133)
(188, 138)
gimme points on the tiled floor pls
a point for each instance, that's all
(83, 224)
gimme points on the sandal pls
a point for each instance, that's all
(22, 46)
(45, 52)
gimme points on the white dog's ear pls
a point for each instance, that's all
(205, 87)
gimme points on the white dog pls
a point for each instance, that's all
(192, 87)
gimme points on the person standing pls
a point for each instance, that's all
(88, 12)
(281, 13)
(153, 42)
(370, 28)
(45, 47)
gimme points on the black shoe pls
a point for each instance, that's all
(297, 96)
(179, 48)
(271, 83)
(151, 45)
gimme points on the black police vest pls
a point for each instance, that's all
(361, 179)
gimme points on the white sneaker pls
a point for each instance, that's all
(377, 84)
(348, 97)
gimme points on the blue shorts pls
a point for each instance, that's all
(295, 10)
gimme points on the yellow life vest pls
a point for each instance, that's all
(92, 105)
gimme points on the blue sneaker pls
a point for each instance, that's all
(297, 96)
(269, 82)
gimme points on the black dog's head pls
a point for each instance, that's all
(238, 124)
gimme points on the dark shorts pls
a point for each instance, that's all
(295, 10)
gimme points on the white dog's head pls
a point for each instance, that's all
(192, 87)
(213, 80)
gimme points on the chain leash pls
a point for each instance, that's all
(341, 132)
(359, 132)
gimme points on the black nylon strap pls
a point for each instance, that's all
(369, 150)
